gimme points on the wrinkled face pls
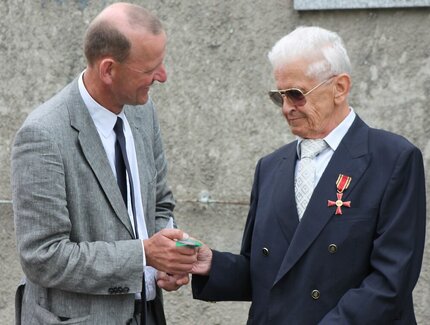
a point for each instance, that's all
(134, 77)
(318, 116)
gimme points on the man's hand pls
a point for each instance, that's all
(204, 261)
(170, 282)
(162, 253)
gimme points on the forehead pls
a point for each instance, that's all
(148, 47)
(292, 74)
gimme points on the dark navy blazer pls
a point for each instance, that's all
(356, 268)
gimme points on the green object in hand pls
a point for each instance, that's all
(193, 243)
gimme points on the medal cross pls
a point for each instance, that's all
(339, 203)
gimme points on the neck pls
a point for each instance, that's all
(99, 91)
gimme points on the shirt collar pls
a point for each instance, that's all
(103, 118)
(334, 138)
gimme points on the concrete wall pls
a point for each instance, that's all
(215, 115)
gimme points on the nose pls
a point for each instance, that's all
(287, 106)
(161, 74)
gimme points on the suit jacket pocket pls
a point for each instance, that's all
(44, 316)
(355, 214)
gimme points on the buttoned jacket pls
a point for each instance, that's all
(358, 267)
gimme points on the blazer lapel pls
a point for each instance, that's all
(352, 159)
(141, 144)
(284, 201)
(95, 154)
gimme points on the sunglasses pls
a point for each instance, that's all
(295, 95)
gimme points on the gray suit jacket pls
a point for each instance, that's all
(74, 236)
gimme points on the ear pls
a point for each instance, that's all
(342, 86)
(106, 70)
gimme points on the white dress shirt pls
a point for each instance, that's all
(104, 121)
(332, 139)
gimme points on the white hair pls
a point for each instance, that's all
(325, 49)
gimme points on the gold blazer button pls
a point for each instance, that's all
(332, 248)
(315, 294)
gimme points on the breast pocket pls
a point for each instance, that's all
(356, 214)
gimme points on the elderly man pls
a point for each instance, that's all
(89, 186)
(335, 230)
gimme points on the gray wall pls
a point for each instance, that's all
(215, 115)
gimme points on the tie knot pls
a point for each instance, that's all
(309, 148)
(118, 126)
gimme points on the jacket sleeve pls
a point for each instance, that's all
(397, 251)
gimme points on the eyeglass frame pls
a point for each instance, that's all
(283, 93)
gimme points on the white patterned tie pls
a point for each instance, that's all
(304, 184)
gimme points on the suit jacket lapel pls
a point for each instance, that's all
(351, 158)
(94, 153)
(141, 146)
(284, 201)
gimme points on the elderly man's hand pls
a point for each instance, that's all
(204, 261)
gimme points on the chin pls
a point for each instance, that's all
(299, 132)
(142, 100)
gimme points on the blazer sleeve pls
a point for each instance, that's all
(230, 276)
(397, 251)
(43, 226)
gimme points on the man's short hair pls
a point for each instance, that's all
(104, 39)
(324, 48)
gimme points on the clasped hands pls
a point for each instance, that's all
(174, 264)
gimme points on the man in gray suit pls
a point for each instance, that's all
(90, 195)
